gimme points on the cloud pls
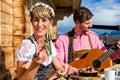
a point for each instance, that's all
(65, 25)
(105, 12)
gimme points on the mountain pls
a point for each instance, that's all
(115, 33)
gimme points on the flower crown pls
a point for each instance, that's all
(46, 6)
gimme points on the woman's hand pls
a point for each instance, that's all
(39, 57)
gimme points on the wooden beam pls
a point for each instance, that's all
(76, 4)
(52, 4)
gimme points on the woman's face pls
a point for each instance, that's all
(41, 26)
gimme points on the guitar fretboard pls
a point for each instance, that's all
(103, 57)
(108, 53)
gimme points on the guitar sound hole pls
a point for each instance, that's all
(96, 63)
(84, 55)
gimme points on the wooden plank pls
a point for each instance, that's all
(12, 71)
(19, 23)
(0, 5)
(6, 8)
(6, 40)
(6, 29)
(27, 16)
(18, 32)
(8, 51)
(0, 22)
(9, 61)
(8, 1)
(8, 19)
(18, 2)
(15, 48)
(18, 11)
(17, 40)
(19, 26)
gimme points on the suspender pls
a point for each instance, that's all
(90, 41)
(70, 47)
(33, 43)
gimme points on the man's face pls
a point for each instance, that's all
(86, 25)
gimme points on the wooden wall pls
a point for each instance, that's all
(12, 32)
(6, 40)
(15, 26)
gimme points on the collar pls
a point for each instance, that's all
(83, 34)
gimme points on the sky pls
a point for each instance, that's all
(106, 12)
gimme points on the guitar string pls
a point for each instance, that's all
(106, 54)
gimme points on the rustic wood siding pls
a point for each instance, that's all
(12, 32)
(29, 28)
(18, 24)
(19, 18)
(15, 26)
(0, 22)
(6, 42)
(17, 40)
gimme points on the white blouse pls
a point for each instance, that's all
(27, 49)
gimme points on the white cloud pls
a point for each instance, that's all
(106, 12)
(65, 25)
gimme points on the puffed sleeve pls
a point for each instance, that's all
(25, 51)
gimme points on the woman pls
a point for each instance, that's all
(36, 53)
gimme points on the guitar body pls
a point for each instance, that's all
(91, 56)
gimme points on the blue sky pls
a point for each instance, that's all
(106, 12)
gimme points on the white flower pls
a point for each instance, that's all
(46, 6)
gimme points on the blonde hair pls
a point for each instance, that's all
(42, 10)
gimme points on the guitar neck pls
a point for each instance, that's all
(97, 63)
(107, 53)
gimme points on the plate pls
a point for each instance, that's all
(88, 73)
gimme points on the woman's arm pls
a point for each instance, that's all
(59, 68)
(27, 71)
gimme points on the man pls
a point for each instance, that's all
(79, 38)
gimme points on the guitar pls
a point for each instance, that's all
(95, 58)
